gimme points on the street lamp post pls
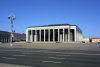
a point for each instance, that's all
(12, 18)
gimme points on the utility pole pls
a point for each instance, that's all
(12, 18)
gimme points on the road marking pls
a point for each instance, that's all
(31, 51)
(71, 53)
(8, 58)
(11, 50)
(63, 55)
(4, 57)
(67, 53)
(19, 55)
(51, 62)
(56, 58)
(58, 52)
(41, 51)
(47, 61)
(52, 52)
(57, 62)
(27, 53)
(91, 54)
(78, 53)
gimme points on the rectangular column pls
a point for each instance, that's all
(58, 35)
(48, 35)
(35, 36)
(31, 35)
(44, 35)
(69, 34)
(40, 35)
(53, 35)
(27, 36)
(63, 34)
(75, 35)
(66, 35)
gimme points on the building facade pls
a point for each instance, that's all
(54, 33)
(95, 40)
(4, 36)
(19, 37)
(85, 39)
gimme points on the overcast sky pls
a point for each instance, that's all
(83, 13)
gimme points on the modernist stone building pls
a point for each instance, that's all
(54, 33)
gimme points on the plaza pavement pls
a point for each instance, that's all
(76, 48)
(62, 46)
(22, 57)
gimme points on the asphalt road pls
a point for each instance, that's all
(49, 58)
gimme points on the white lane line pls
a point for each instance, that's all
(27, 53)
(70, 53)
(4, 57)
(77, 53)
(63, 55)
(67, 54)
(58, 52)
(91, 54)
(52, 52)
(19, 55)
(47, 61)
(8, 58)
(42, 51)
(51, 62)
(56, 58)
(11, 50)
(82, 53)
(57, 62)
(31, 51)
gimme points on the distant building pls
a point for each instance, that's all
(54, 33)
(95, 40)
(19, 37)
(85, 39)
(5, 37)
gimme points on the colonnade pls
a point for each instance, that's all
(51, 35)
